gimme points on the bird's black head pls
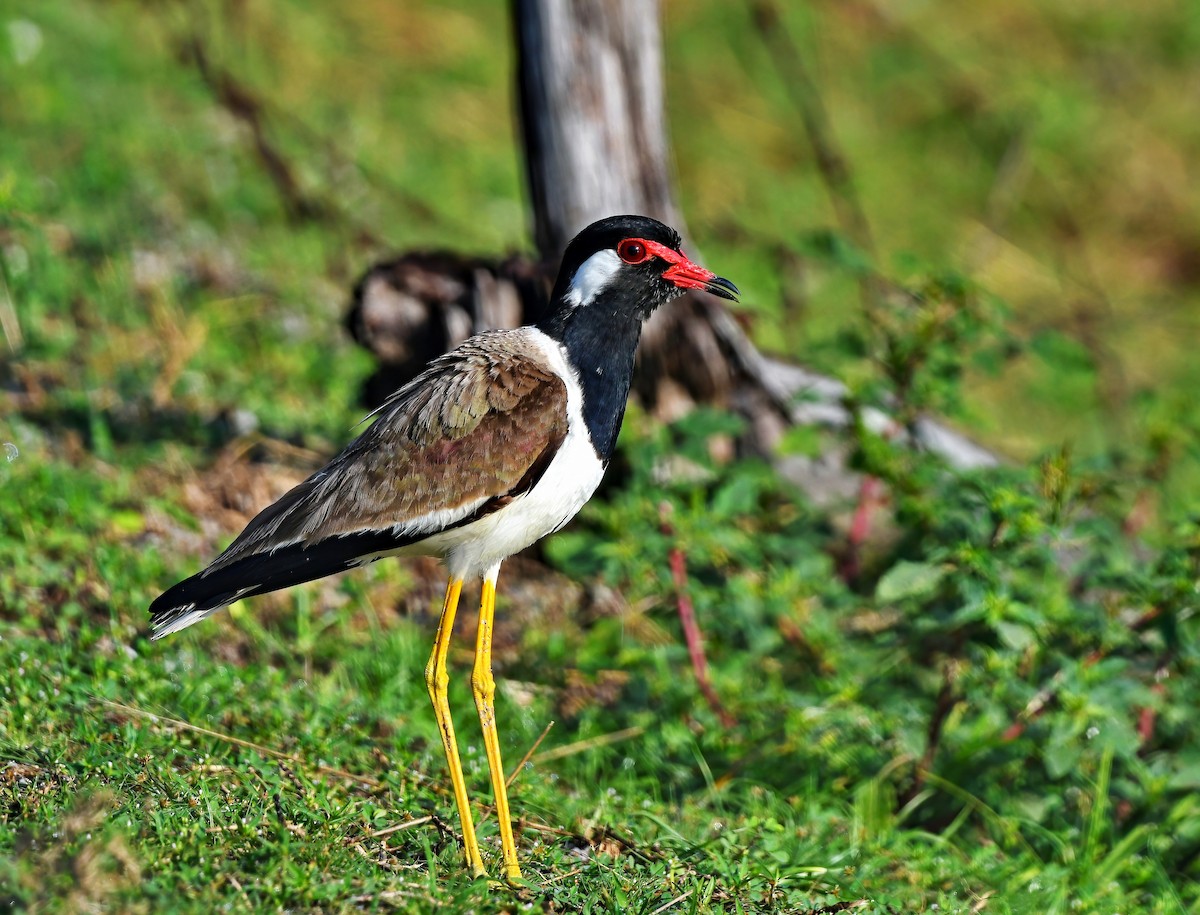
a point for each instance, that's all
(625, 267)
(614, 274)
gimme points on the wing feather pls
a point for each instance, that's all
(472, 432)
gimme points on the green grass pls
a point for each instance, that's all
(993, 713)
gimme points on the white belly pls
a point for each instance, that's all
(566, 485)
(569, 481)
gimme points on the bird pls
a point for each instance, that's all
(496, 444)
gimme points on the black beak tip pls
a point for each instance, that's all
(719, 286)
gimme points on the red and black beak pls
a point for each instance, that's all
(686, 275)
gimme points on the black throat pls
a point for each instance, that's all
(600, 346)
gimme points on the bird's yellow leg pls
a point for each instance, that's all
(437, 680)
(484, 687)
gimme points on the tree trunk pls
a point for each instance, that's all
(589, 80)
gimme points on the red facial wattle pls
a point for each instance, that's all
(681, 272)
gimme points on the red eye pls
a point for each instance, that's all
(633, 251)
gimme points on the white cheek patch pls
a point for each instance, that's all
(593, 275)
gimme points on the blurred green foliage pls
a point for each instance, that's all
(1015, 672)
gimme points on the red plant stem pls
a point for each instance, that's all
(860, 525)
(691, 634)
(868, 494)
(1148, 717)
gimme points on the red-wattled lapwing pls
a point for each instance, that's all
(496, 444)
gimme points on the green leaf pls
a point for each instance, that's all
(1186, 776)
(1061, 351)
(1118, 736)
(909, 579)
(802, 440)
(1062, 755)
(737, 497)
(971, 612)
(1014, 635)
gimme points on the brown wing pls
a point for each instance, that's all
(469, 429)
(477, 428)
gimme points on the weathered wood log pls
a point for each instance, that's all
(411, 309)
(589, 80)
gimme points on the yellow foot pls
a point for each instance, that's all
(510, 882)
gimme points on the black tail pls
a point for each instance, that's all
(220, 585)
